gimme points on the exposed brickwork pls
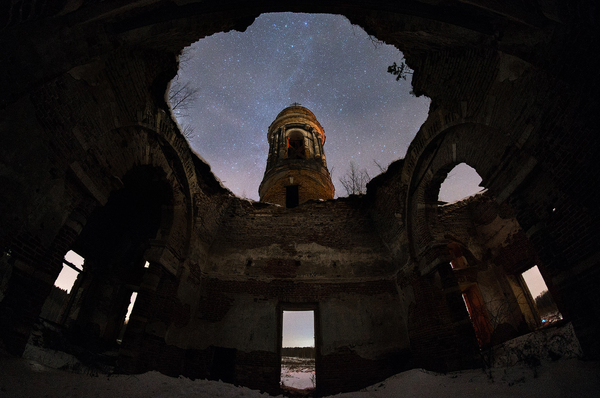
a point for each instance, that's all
(258, 370)
(291, 291)
(514, 94)
(518, 255)
(442, 337)
(257, 240)
(302, 165)
(346, 371)
(311, 185)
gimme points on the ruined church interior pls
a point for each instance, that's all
(93, 161)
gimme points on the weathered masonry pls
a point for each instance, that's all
(296, 167)
(91, 160)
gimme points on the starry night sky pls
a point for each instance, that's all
(320, 61)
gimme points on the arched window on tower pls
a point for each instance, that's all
(295, 145)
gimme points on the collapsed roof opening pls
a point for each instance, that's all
(462, 181)
(319, 60)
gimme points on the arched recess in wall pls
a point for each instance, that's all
(476, 145)
(159, 145)
(113, 243)
(146, 218)
(475, 235)
(296, 145)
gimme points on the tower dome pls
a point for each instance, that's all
(296, 167)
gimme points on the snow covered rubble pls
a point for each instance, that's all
(298, 372)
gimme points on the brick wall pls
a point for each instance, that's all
(441, 335)
(315, 240)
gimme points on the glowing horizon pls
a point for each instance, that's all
(298, 329)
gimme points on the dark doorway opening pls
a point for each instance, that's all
(223, 364)
(478, 315)
(292, 198)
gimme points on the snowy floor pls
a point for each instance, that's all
(298, 372)
(511, 377)
(564, 378)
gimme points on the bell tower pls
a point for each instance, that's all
(296, 168)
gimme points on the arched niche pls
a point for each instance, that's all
(296, 144)
(167, 152)
(114, 243)
(475, 235)
(459, 144)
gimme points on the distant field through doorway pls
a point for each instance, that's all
(298, 350)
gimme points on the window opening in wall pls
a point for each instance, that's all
(60, 300)
(292, 198)
(298, 350)
(458, 258)
(72, 266)
(296, 149)
(462, 182)
(546, 307)
(129, 309)
(321, 61)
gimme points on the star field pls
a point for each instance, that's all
(320, 61)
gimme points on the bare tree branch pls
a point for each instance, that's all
(375, 41)
(381, 168)
(185, 56)
(355, 180)
(182, 96)
(188, 131)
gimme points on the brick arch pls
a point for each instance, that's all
(164, 149)
(88, 189)
(480, 147)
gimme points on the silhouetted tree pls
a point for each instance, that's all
(188, 131)
(545, 304)
(380, 167)
(400, 71)
(182, 96)
(355, 180)
(298, 352)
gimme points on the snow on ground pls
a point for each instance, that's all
(542, 377)
(298, 372)
(564, 378)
